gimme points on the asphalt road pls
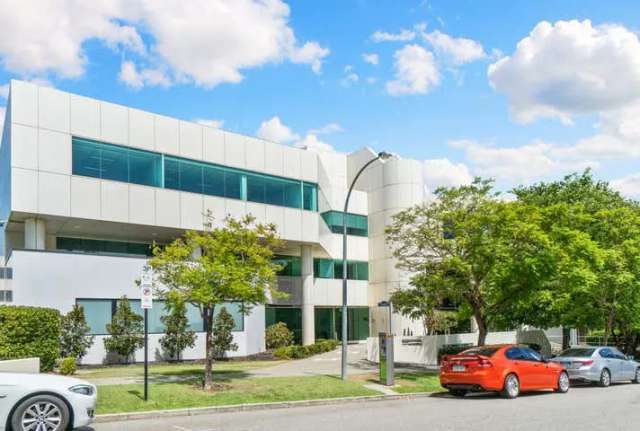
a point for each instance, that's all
(583, 408)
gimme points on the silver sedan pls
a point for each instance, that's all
(602, 365)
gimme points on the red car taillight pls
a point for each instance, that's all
(484, 363)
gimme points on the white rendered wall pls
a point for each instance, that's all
(60, 278)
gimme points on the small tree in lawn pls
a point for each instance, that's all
(125, 330)
(230, 263)
(223, 335)
(74, 334)
(418, 303)
(177, 335)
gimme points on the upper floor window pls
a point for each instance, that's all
(356, 224)
(114, 162)
(103, 246)
(328, 268)
(290, 266)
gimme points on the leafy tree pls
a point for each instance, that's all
(221, 264)
(74, 334)
(418, 304)
(222, 334)
(470, 247)
(177, 335)
(125, 331)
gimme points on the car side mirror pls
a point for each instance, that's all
(630, 358)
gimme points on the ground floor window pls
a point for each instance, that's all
(328, 323)
(291, 316)
(99, 312)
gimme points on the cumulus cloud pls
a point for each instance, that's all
(569, 68)
(206, 43)
(312, 143)
(403, 36)
(444, 173)
(327, 129)
(416, 71)
(525, 163)
(371, 59)
(350, 77)
(457, 50)
(628, 185)
(274, 130)
(216, 124)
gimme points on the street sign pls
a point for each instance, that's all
(146, 290)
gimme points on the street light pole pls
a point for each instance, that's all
(381, 156)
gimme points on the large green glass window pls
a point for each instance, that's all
(102, 246)
(328, 268)
(113, 162)
(99, 313)
(290, 316)
(290, 266)
(328, 321)
(356, 224)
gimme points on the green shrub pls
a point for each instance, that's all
(27, 332)
(67, 366)
(278, 335)
(452, 349)
(300, 352)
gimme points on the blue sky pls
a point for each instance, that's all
(520, 91)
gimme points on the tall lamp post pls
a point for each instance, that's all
(381, 156)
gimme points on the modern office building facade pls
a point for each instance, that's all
(86, 187)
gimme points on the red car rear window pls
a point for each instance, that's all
(482, 351)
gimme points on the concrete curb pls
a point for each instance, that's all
(118, 417)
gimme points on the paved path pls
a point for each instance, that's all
(583, 408)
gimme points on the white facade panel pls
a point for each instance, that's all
(85, 117)
(114, 126)
(291, 161)
(85, 198)
(24, 190)
(24, 103)
(258, 211)
(216, 207)
(213, 145)
(167, 135)
(190, 140)
(24, 147)
(114, 201)
(191, 211)
(309, 166)
(273, 159)
(292, 228)
(54, 194)
(310, 226)
(167, 208)
(142, 205)
(141, 130)
(234, 150)
(275, 215)
(54, 152)
(53, 109)
(235, 208)
(254, 149)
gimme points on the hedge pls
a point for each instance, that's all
(300, 352)
(28, 332)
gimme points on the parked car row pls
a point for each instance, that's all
(511, 369)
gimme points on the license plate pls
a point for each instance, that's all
(458, 368)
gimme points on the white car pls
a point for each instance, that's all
(45, 402)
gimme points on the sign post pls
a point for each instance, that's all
(146, 302)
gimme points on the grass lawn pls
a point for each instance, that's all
(182, 369)
(128, 398)
(407, 383)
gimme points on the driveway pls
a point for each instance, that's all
(583, 408)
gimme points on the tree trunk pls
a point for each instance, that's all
(207, 316)
(609, 325)
(482, 327)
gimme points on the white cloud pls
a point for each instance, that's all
(216, 124)
(327, 129)
(628, 185)
(569, 68)
(274, 130)
(130, 75)
(403, 36)
(524, 163)
(371, 80)
(312, 143)
(4, 91)
(206, 42)
(457, 50)
(444, 173)
(416, 71)
(371, 59)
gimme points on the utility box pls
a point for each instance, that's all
(385, 343)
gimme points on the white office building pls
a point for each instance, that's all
(86, 186)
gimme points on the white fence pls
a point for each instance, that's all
(29, 366)
(424, 350)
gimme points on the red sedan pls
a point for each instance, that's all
(508, 369)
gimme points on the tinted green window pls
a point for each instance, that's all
(213, 179)
(356, 224)
(190, 176)
(233, 185)
(328, 321)
(327, 268)
(98, 314)
(255, 188)
(290, 265)
(102, 246)
(290, 316)
(112, 162)
(310, 196)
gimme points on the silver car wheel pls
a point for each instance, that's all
(513, 386)
(563, 382)
(605, 378)
(41, 416)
